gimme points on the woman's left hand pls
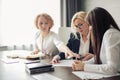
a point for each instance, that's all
(78, 65)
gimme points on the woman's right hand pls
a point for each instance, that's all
(76, 55)
(55, 59)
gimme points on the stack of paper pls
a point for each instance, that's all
(64, 63)
(90, 75)
(45, 76)
(9, 61)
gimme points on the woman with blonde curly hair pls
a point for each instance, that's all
(46, 41)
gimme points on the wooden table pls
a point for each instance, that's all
(16, 71)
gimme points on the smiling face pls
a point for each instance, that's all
(81, 26)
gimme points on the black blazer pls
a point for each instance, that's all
(74, 44)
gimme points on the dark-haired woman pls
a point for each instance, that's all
(105, 35)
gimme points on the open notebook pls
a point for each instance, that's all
(24, 55)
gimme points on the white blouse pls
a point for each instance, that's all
(51, 43)
(109, 54)
(84, 46)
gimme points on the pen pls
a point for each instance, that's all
(77, 57)
(70, 57)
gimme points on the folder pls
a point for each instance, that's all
(38, 68)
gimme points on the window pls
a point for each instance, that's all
(18, 16)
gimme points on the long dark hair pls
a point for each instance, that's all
(100, 20)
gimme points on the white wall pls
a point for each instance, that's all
(113, 6)
(0, 19)
(18, 19)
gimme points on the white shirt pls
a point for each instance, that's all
(51, 43)
(109, 54)
(84, 46)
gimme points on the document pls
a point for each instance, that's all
(9, 61)
(64, 63)
(45, 76)
(90, 75)
(31, 61)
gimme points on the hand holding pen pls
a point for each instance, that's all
(77, 57)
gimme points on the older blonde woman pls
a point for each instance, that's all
(79, 41)
(46, 41)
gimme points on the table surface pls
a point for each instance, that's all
(16, 71)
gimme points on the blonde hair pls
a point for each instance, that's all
(78, 15)
(46, 16)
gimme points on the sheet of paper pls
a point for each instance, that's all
(90, 75)
(31, 61)
(9, 61)
(45, 76)
(66, 63)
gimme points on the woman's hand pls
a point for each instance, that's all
(77, 56)
(88, 56)
(78, 65)
(35, 52)
(68, 56)
(55, 59)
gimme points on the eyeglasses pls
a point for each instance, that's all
(79, 26)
